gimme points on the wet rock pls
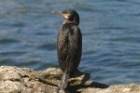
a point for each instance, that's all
(24, 80)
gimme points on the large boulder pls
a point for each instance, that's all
(24, 80)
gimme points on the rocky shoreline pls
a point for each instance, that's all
(24, 80)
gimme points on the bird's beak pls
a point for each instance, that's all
(56, 12)
(66, 16)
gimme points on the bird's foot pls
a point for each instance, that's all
(78, 78)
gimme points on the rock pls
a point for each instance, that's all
(129, 88)
(24, 80)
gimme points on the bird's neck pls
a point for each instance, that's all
(70, 22)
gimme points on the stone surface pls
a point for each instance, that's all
(24, 80)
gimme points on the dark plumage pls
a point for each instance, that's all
(69, 45)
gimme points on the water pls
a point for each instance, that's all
(110, 28)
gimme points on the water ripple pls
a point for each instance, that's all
(12, 54)
(47, 47)
(8, 41)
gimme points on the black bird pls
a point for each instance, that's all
(69, 45)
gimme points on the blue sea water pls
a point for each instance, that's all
(110, 29)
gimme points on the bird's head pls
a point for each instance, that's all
(70, 16)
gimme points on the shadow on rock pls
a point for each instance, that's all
(88, 84)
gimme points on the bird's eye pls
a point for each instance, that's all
(65, 12)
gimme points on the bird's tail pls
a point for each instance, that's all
(64, 80)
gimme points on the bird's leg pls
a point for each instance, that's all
(63, 83)
(64, 80)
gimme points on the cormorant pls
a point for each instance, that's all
(69, 45)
